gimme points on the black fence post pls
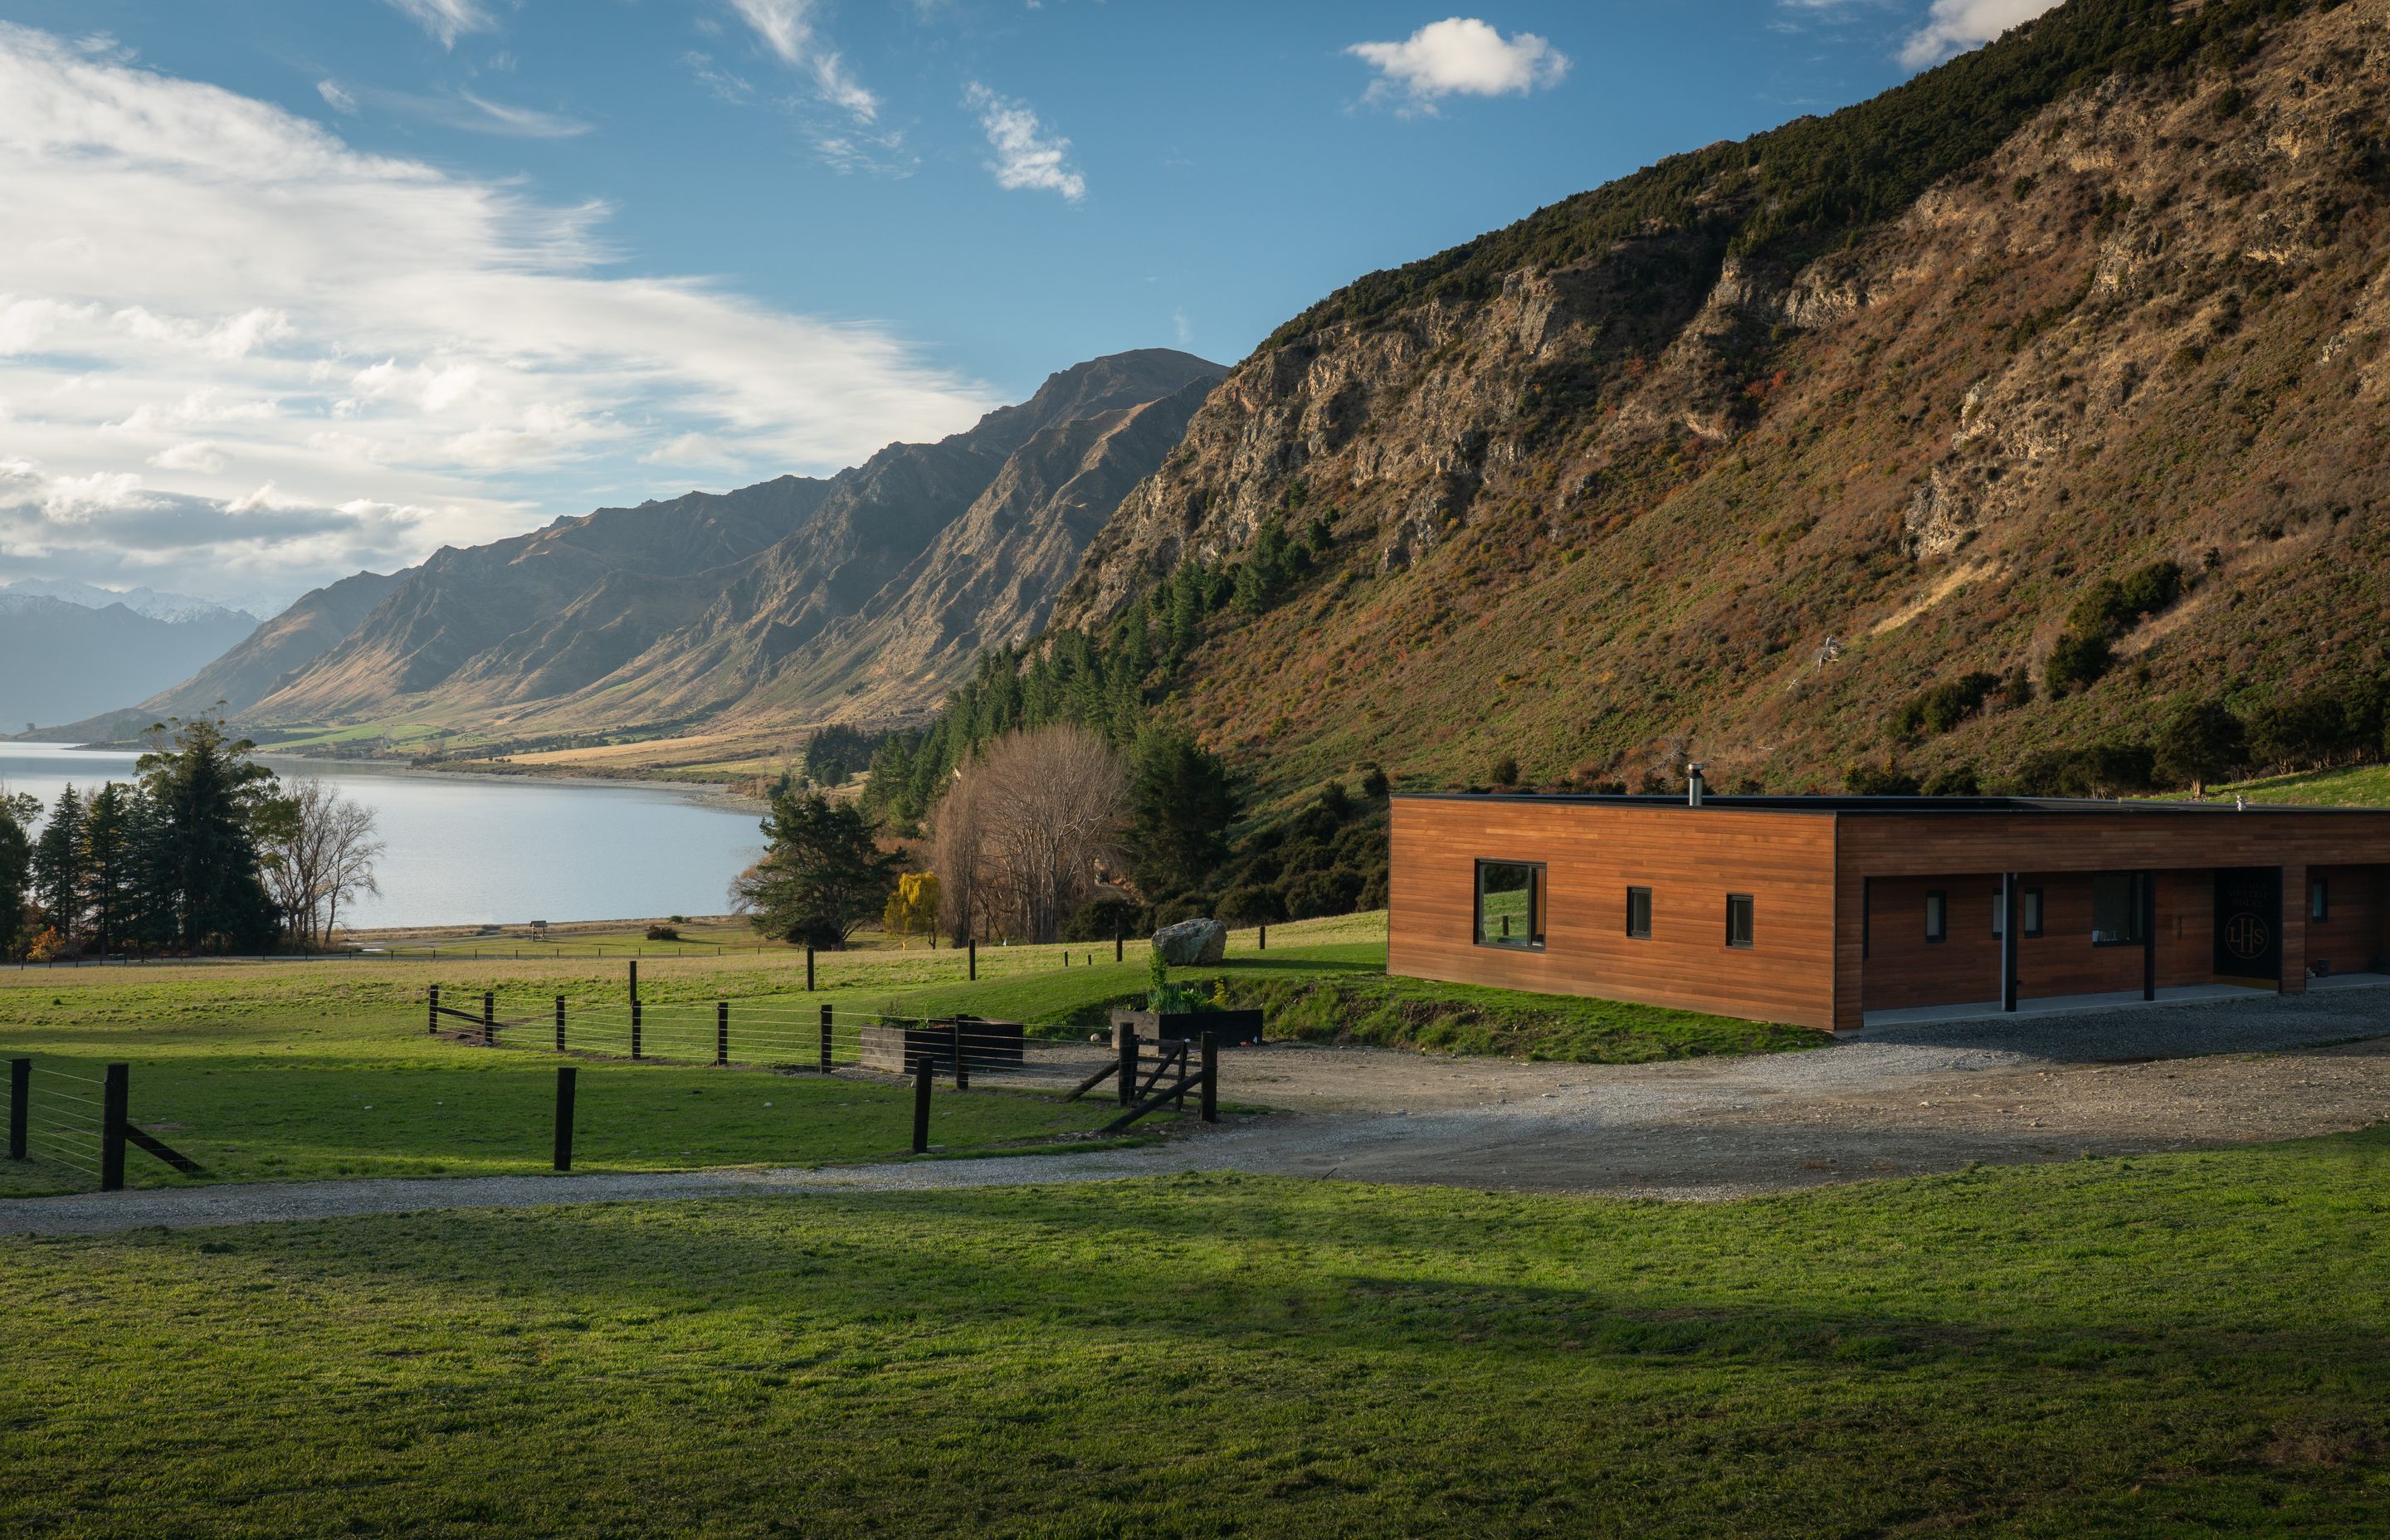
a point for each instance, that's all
(962, 1071)
(1261, 935)
(1127, 1065)
(432, 1014)
(489, 1019)
(809, 971)
(560, 1023)
(566, 1075)
(975, 958)
(1210, 1101)
(922, 1104)
(722, 1032)
(20, 1104)
(825, 1040)
(111, 1128)
(1120, 940)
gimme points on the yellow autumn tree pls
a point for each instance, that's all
(913, 907)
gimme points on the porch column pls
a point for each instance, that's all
(2010, 925)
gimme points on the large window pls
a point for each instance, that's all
(1737, 919)
(1937, 916)
(1638, 913)
(1510, 905)
(2117, 900)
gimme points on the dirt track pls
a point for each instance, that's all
(1928, 1099)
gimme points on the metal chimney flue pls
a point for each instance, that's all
(1692, 785)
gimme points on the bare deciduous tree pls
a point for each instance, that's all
(1025, 830)
(321, 855)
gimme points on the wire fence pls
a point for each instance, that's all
(61, 1116)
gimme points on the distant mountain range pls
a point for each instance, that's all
(66, 660)
(863, 596)
(146, 602)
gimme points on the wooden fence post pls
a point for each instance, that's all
(20, 1104)
(722, 1032)
(1261, 933)
(565, 1077)
(1127, 1065)
(1120, 939)
(809, 971)
(560, 1023)
(922, 1104)
(1210, 1101)
(974, 959)
(432, 1014)
(113, 1097)
(825, 1040)
(489, 1019)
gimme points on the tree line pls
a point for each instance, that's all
(205, 851)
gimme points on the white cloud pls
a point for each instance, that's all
(199, 286)
(1027, 154)
(446, 19)
(336, 98)
(1461, 56)
(1955, 26)
(785, 27)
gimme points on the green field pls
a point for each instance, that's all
(2356, 786)
(2159, 1346)
(275, 1071)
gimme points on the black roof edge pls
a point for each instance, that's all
(1944, 806)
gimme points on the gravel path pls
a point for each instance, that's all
(1897, 1101)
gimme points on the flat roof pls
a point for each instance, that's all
(1906, 805)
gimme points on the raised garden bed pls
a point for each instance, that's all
(896, 1047)
(1230, 1028)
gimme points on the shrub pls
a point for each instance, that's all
(2198, 741)
(1374, 784)
(1171, 911)
(1936, 710)
(1097, 919)
(2075, 663)
(662, 932)
(1958, 780)
(1864, 779)
(1255, 903)
(2296, 730)
(1328, 892)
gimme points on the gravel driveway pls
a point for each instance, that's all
(1898, 1100)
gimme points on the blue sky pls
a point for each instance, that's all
(316, 284)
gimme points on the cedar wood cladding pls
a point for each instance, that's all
(1690, 861)
(1809, 868)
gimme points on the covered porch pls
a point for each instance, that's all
(1938, 947)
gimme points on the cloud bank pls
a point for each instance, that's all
(238, 354)
(1955, 26)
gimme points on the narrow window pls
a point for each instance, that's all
(1937, 916)
(1737, 919)
(1638, 913)
(2031, 905)
(2117, 902)
(1999, 912)
(2319, 899)
(1510, 905)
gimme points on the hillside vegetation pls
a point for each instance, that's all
(1959, 436)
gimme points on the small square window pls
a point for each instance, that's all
(1737, 919)
(1638, 913)
(1510, 905)
(1937, 916)
(2319, 899)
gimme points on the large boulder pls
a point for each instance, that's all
(1191, 941)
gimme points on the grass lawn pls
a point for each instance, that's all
(2357, 786)
(2158, 1346)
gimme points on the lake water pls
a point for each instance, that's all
(466, 850)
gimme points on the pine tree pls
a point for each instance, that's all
(16, 869)
(208, 793)
(107, 864)
(58, 866)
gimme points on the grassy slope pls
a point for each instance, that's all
(2164, 1345)
(2356, 786)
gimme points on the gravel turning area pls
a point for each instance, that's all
(1895, 1101)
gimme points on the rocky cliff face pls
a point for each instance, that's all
(1688, 485)
(793, 601)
